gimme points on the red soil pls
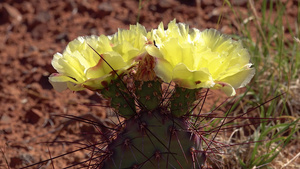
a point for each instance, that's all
(32, 31)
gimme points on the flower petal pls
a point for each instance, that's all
(226, 88)
(163, 69)
(192, 79)
(111, 62)
(59, 82)
(241, 78)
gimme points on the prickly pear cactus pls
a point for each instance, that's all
(158, 131)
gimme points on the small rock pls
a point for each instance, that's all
(24, 159)
(7, 130)
(166, 3)
(24, 101)
(43, 17)
(33, 116)
(62, 37)
(105, 8)
(5, 119)
(14, 14)
(15, 161)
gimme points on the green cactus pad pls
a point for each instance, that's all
(182, 101)
(148, 93)
(152, 141)
(121, 100)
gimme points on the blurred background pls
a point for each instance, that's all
(32, 31)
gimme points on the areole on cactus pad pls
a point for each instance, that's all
(130, 67)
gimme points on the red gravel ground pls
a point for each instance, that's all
(32, 31)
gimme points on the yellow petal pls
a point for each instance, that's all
(226, 88)
(163, 69)
(59, 82)
(112, 62)
(241, 78)
(191, 79)
(154, 51)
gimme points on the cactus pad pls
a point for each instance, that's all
(182, 101)
(148, 93)
(154, 140)
(121, 100)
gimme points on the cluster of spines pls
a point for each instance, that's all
(120, 98)
(182, 101)
(148, 93)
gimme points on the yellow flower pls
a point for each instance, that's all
(80, 67)
(195, 59)
(130, 43)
